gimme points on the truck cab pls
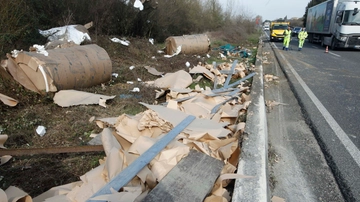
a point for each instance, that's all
(335, 23)
(347, 26)
(277, 30)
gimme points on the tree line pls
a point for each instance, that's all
(21, 19)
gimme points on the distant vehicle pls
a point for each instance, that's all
(277, 30)
(295, 31)
(335, 23)
(266, 28)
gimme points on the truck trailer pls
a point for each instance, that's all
(334, 23)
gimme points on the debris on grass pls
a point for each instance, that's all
(67, 98)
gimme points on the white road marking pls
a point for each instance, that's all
(340, 133)
(334, 54)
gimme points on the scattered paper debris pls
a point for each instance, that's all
(4, 159)
(67, 98)
(277, 199)
(178, 50)
(138, 4)
(75, 33)
(271, 103)
(135, 89)
(123, 42)
(153, 71)
(151, 40)
(39, 49)
(3, 139)
(8, 100)
(41, 130)
(269, 77)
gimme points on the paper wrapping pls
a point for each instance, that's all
(190, 44)
(68, 68)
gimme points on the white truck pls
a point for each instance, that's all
(335, 23)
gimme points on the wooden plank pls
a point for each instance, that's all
(125, 176)
(192, 179)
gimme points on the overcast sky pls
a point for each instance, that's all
(268, 9)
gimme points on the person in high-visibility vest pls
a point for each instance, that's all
(302, 36)
(287, 37)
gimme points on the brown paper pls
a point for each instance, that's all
(67, 98)
(190, 44)
(69, 68)
(15, 194)
(8, 100)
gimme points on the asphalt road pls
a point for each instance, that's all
(327, 86)
(298, 169)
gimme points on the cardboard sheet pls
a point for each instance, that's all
(190, 44)
(3, 139)
(15, 194)
(175, 117)
(67, 98)
(8, 100)
(153, 71)
(202, 70)
(177, 80)
(68, 68)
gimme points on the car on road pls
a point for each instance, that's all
(295, 31)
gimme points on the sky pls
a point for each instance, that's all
(268, 9)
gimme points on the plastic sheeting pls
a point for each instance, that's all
(190, 44)
(68, 68)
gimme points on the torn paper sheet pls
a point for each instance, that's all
(57, 194)
(123, 42)
(153, 71)
(39, 49)
(202, 70)
(271, 104)
(218, 189)
(138, 4)
(15, 194)
(277, 199)
(269, 77)
(75, 33)
(8, 100)
(178, 50)
(177, 80)
(59, 44)
(4, 159)
(67, 98)
(175, 117)
(3, 139)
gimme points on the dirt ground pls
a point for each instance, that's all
(71, 126)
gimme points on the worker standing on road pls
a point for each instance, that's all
(287, 37)
(302, 36)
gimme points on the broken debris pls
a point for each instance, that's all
(67, 98)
